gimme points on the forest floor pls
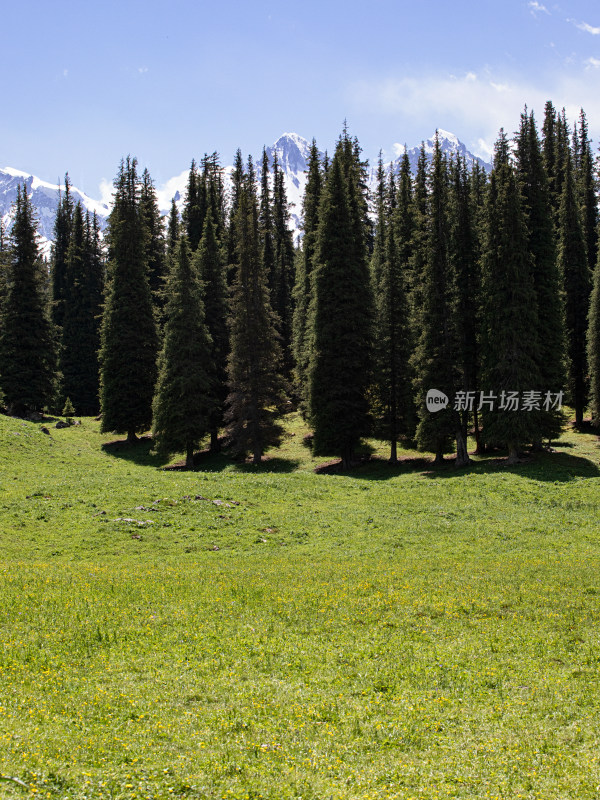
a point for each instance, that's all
(276, 632)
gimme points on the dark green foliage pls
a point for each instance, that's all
(255, 383)
(60, 249)
(586, 189)
(510, 355)
(172, 229)
(546, 277)
(155, 242)
(68, 409)
(182, 403)
(419, 242)
(281, 289)
(195, 207)
(4, 265)
(435, 357)
(27, 348)
(237, 181)
(392, 386)
(466, 281)
(341, 358)
(80, 332)
(129, 337)
(573, 266)
(265, 228)
(593, 347)
(302, 294)
(209, 264)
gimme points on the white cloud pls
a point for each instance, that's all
(476, 106)
(398, 149)
(592, 63)
(583, 26)
(536, 8)
(142, 70)
(65, 73)
(166, 192)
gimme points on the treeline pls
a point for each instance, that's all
(483, 288)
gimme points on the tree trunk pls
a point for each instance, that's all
(189, 456)
(439, 454)
(131, 437)
(393, 452)
(215, 445)
(479, 445)
(462, 455)
(257, 455)
(513, 455)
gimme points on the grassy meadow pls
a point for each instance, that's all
(270, 632)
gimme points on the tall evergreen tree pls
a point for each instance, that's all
(181, 405)
(129, 341)
(389, 267)
(303, 284)
(573, 266)
(155, 242)
(80, 332)
(593, 347)
(466, 282)
(27, 347)
(546, 278)
(209, 262)
(281, 297)
(586, 188)
(60, 248)
(510, 355)
(173, 229)
(255, 384)
(341, 359)
(436, 354)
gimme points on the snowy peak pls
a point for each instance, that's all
(292, 153)
(450, 144)
(44, 198)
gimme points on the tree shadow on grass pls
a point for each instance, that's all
(139, 452)
(549, 467)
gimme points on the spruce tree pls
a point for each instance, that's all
(509, 345)
(80, 338)
(466, 283)
(281, 294)
(546, 278)
(182, 403)
(60, 248)
(211, 271)
(129, 340)
(586, 188)
(389, 268)
(155, 242)
(27, 346)
(172, 229)
(341, 359)
(573, 266)
(304, 267)
(435, 358)
(255, 384)
(593, 347)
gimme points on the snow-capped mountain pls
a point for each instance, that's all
(44, 198)
(450, 145)
(292, 153)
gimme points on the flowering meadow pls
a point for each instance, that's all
(272, 632)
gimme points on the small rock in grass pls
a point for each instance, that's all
(44, 429)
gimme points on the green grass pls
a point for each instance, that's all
(271, 632)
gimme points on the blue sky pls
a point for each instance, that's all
(85, 83)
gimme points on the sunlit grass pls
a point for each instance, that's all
(270, 632)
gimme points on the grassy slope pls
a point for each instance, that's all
(386, 633)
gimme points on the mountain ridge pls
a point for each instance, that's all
(291, 149)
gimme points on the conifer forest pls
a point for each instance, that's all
(213, 322)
